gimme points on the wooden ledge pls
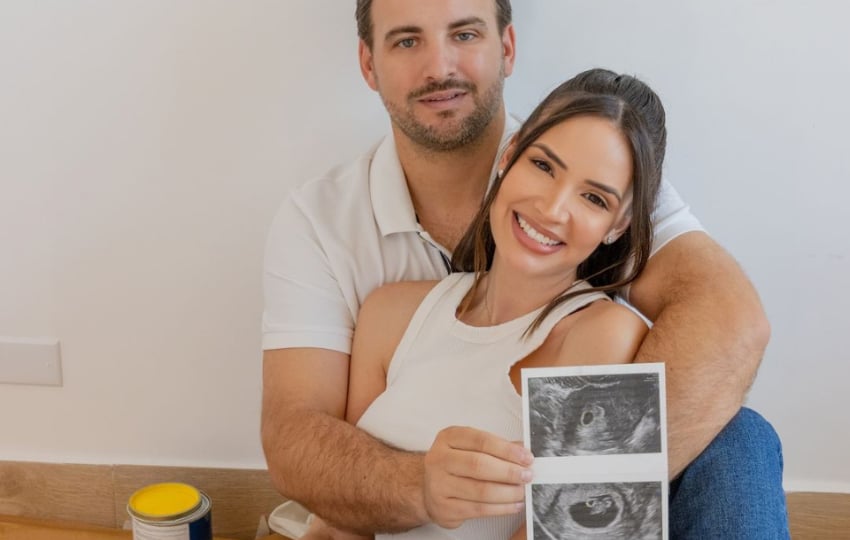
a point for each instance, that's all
(19, 528)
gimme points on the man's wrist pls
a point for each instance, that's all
(417, 491)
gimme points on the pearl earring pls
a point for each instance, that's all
(500, 173)
(610, 239)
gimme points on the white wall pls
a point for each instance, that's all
(144, 147)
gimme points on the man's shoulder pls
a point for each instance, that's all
(329, 201)
(339, 185)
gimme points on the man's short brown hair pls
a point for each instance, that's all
(363, 14)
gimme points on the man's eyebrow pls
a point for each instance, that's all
(468, 21)
(408, 29)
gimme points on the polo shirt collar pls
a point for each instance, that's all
(391, 200)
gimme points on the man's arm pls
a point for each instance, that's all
(318, 459)
(711, 331)
(313, 455)
(357, 483)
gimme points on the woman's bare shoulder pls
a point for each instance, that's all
(387, 311)
(603, 333)
(396, 297)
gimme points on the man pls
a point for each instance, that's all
(396, 214)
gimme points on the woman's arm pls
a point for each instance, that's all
(520, 533)
(383, 319)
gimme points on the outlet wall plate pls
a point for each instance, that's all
(35, 361)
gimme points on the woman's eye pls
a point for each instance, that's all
(542, 165)
(597, 200)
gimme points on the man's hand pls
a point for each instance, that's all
(471, 473)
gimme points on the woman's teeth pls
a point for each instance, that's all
(532, 233)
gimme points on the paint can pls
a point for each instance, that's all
(170, 511)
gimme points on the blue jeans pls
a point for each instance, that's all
(733, 490)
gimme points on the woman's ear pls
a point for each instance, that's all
(619, 227)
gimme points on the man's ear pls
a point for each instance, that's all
(508, 154)
(509, 48)
(367, 65)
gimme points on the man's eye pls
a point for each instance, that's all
(465, 36)
(542, 165)
(597, 200)
(406, 43)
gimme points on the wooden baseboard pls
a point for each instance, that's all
(98, 494)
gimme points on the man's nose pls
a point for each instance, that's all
(440, 61)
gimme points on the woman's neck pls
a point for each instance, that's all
(504, 295)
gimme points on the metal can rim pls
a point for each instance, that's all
(177, 518)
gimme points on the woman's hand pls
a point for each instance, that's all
(470, 473)
(520, 533)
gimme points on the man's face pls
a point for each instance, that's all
(439, 67)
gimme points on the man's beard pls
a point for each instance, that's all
(465, 131)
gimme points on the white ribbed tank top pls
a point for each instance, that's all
(447, 373)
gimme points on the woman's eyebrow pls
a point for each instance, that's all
(605, 188)
(554, 157)
(548, 151)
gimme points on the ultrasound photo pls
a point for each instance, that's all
(597, 433)
(594, 414)
(614, 511)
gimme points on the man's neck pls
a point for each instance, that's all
(447, 188)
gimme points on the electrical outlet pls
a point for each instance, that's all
(30, 361)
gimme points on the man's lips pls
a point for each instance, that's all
(445, 95)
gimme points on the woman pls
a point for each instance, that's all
(566, 223)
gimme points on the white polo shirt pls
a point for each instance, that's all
(337, 238)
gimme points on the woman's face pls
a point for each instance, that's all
(565, 194)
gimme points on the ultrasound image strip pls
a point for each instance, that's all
(628, 511)
(589, 415)
(598, 436)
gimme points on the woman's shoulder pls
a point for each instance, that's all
(607, 313)
(603, 332)
(399, 295)
(390, 307)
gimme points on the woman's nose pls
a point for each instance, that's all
(554, 204)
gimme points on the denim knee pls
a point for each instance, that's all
(734, 488)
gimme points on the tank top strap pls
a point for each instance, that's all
(438, 309)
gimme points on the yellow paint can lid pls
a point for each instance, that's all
(166, 500)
